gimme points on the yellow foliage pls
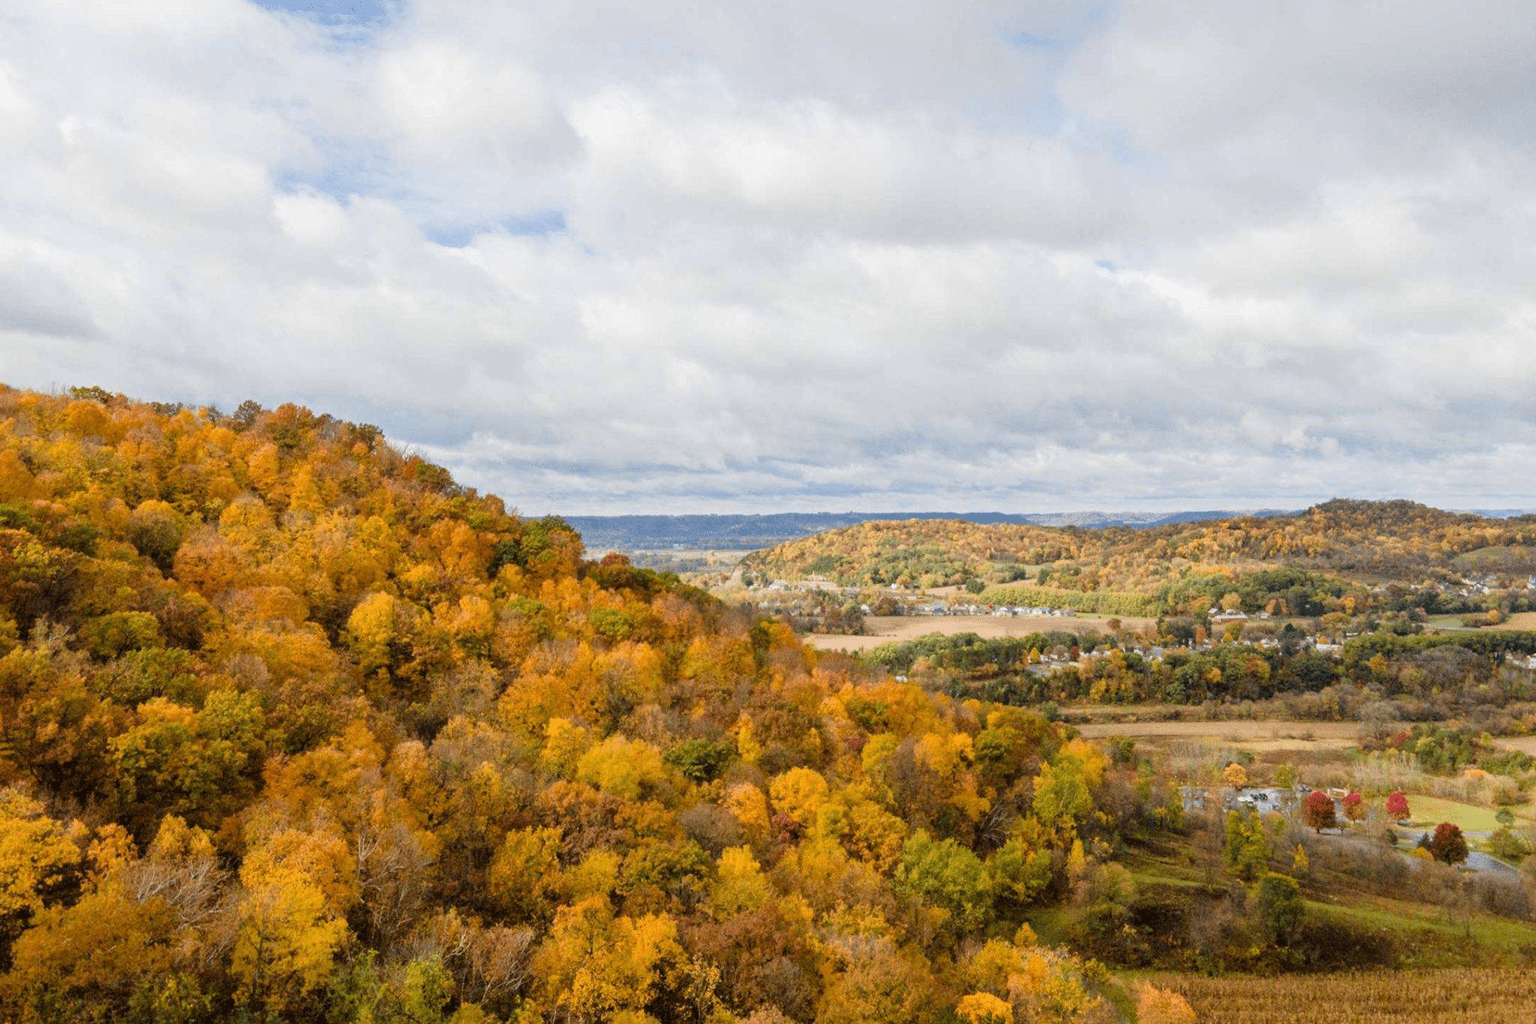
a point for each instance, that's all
(594, 966)
(1159, 1006)
(746, 741)
(35, 851)
(798, 794)
(740, 884)
(1050, 987)
(564, 744)
(622, 767)
(984, 1008)
(596, 875)
(877, 754)
(323, 859)
(944, 755)
(372, 629)
(288, 934)
(749, 807)
(1089, 756)
(112, 849)
(526, 871)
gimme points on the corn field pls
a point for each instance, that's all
(1388, 997)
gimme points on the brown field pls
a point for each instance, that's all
(886, 628)
(1385, 997)
(1519, 620)
(1257, 735)
(1524, 744)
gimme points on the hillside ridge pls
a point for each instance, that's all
(1398, 541)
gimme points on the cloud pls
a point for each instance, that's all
(651, 256)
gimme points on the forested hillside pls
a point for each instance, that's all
(292, 727)
(1375, 542)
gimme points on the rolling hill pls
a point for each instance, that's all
(1351, 543)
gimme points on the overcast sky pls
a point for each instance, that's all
(658, 255)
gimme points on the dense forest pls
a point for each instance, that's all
(293, 727)
(1361, 542)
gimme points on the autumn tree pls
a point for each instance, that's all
(1318, 811)
(1247, 845)
(37, 860)
(1448, 845)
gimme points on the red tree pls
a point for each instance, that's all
(1448, 846)
(1397, 806)
(1318, 812)
(1354, 806)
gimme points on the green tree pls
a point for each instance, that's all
(1280, 906)
(946, 874)
(1247, 845)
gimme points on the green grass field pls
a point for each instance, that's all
(1409, 922)
(1429, 811)
(1424, 935)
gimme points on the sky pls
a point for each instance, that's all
(661, 256)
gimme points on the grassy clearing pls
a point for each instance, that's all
(1411, 924)
(884, 629)
(1429, 811)
(1519, 620)
(1423, 935)
(1447, 621)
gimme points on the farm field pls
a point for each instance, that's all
(1387, 997)
(1330, 735)
(1524, 744)
(1517, 621)
(886, 628)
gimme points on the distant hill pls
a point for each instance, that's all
(1336, 544)
(640, 532)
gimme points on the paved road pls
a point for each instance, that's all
(1482, 862)
(1477, 861)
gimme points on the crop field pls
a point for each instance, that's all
(1524, 744)
(1517, 621)
(886, 628)
(1388, 997)
(1253, 734)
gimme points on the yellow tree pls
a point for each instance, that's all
(798, 794)
(36, 857)
(288, 932)
(598, 967)
(740, 884)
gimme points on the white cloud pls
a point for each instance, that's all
(921, 256)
